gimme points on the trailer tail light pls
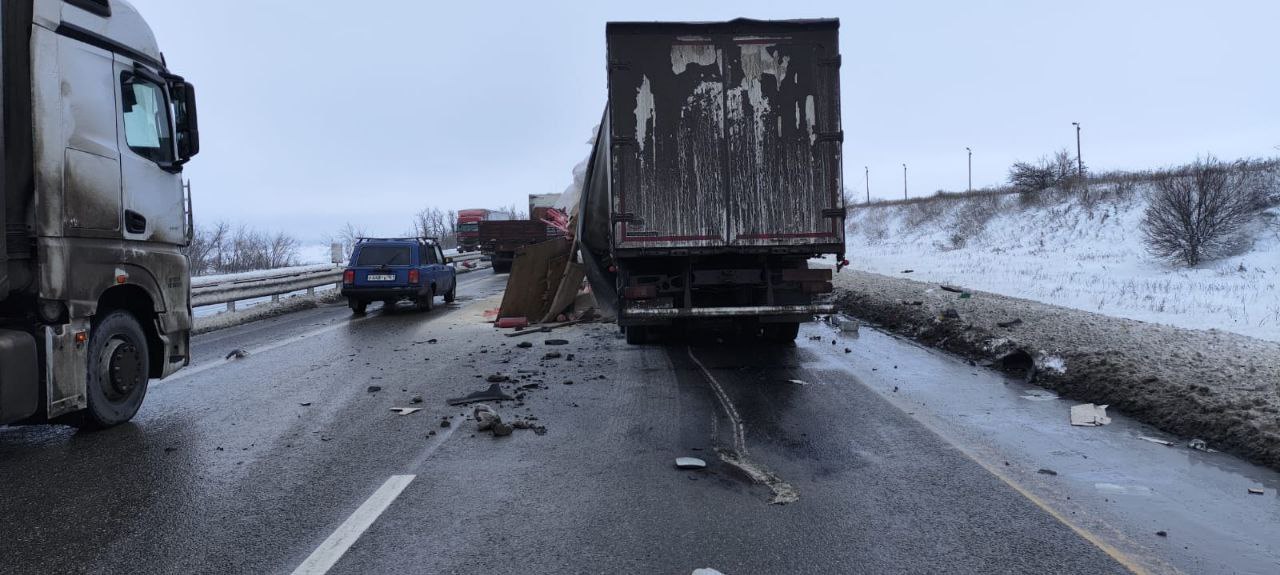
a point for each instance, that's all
(640, 292)
(413, 276)
(349, 277)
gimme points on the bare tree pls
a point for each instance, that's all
(347, 237)
(282, 250)
(1199, 215)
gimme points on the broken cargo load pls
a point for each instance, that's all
(716, 174)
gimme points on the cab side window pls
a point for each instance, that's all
(146, 119)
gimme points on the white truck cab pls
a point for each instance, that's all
(94, 288)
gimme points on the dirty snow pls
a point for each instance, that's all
(1064, 253)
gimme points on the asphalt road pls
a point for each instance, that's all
(284, 460)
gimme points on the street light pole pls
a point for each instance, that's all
(868, 174)
(1079, 159)
(904, 181)
(970, 168)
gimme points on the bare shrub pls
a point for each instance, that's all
(1200, 215)
(1060, 171)
(921, 213)
(972, 216)
(220, 249)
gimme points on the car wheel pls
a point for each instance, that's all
(119, 369)
(358, 307)
(452, 294)
(428, 301)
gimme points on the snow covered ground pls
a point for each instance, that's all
(1064, 253)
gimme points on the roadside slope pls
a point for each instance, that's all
(1217, 386)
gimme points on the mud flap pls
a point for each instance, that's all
(66, 367)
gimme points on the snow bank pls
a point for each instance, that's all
(1066, 253)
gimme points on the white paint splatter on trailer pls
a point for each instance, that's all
(684, 55)
(811, 118)
(645, 111)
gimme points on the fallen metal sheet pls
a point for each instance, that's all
(494, 393)
(1156, 440)
(1089, 415)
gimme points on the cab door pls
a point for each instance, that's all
(149, 167)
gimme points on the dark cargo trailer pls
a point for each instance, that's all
(716, 173)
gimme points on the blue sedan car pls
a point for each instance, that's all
(394, 269)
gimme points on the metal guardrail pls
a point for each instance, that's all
(231, 288)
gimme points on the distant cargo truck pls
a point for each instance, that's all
(468, 226)
(716, 175)
(500, 239)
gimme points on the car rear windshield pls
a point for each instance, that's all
(383, 256)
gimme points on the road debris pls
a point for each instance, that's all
(238, 353)
(415, 399)
(497, 378)
(1200, 445)
(374, 388)
(305, 404)
(690, 463)
(1089, 415)
(1156, 440)
(951, 289)
(501, 429)
(552, 355)
(543, 329)
(445, 422)
(485, 417)
(512, 322)
(494, 393)
(1256, 491)
(1162, 533)
(524, 345)
(1010, 323)
(557, 342)
(405, 410)
(526, 424)
(1049, 472)
(433, 341)
(912, 302)
(843, 323)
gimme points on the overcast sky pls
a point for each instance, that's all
(315, 113)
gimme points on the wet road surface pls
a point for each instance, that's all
(284, 461)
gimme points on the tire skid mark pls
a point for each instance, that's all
(783, 492)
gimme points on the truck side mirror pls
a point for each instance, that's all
(185, 118)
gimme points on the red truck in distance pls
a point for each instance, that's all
(468, 228)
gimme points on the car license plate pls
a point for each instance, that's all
(381, 277)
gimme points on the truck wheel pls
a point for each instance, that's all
(452, 294)
(119, 369)
(637, 334)
(358, 307)
(782, 332)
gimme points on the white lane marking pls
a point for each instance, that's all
(328, 553)
(783, 492)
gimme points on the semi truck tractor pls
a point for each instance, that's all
(468, 228)
(716, 175)
(94, 288)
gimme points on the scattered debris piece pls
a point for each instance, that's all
(908, 271)
(1040, 395)
(1157, 440)
(374, 388)
(485, 417)
(706, 571)
(432, 341)
(847, 350)
(815, 338)
(797, 382)
(238, 353)
(557, 342)
(1089, 415)
(690, 463)
(843, 323)
(1162, 533)
(1200, 445)
(544, 328)
(568, 357)
(513, 322)
(406, 410)
(1047, 472)
(1010, 323)
(524, 344)
(415, 399)
(951, 289)
(445, 423)
(305, 404)
(551, 355)
(1256, 491)
(912, 302)
(494, 393)
(501, 429)
(949, 313)
(568, 382)
(497, 378)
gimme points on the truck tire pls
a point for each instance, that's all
(452, 294)
(119, 369)
(637, 334)
(358, 307)
(782, 332)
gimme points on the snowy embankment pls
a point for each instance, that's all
(1066, 252)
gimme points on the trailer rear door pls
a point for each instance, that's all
(725, 135)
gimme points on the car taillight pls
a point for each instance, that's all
(349, 276)
(413, 276)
